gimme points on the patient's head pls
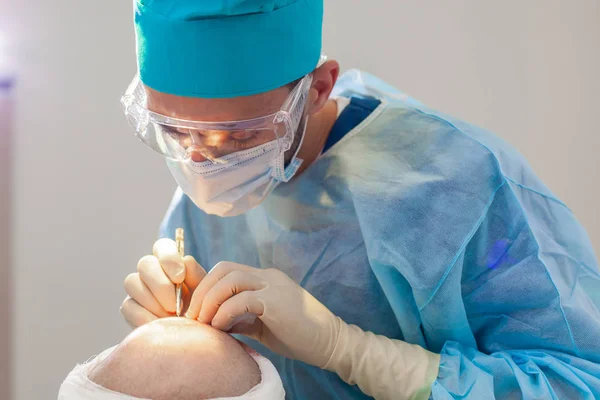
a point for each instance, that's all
(178, 358)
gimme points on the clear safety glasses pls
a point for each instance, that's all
(179, 139)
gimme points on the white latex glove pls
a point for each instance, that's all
(151, 291)
(292, 323)
(383, 368)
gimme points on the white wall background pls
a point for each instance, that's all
(5, 238)
(88, 197)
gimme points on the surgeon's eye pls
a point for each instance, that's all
(183, 138)
(175, 133)
(242, 140)
(243, 135)
(222, 142)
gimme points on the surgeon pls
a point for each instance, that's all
(370, 246)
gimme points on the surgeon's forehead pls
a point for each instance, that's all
(237, 108)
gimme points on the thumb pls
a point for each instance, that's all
(170, 260)
(252, 330)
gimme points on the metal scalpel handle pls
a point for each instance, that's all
(180, 249)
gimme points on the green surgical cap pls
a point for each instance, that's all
(226, 48)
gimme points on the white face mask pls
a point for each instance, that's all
(78, 386)
(232, 190)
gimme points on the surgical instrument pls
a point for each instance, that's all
(178, 287)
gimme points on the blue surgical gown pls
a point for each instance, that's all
(424, 228)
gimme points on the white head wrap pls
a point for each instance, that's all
(78, 386)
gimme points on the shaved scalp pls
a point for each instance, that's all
(178, 358)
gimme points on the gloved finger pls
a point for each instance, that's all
(230, 285)
(157, 281)
(215, 275)
(194, 273)
(170, 260)
(134, 314)
(242, 308)
(186, 296)
(253, 330)
(137, 290)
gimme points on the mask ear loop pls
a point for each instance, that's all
(295, 107)
(282, 173)
(299, 95)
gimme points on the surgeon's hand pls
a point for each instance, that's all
(287, 319)
(151, 291)
(291, 322)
